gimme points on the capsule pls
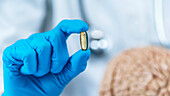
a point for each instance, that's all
(84, 40)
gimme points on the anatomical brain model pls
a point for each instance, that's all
(138, 72)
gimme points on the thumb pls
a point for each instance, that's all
(76, 64)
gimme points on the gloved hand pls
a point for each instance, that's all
(40, 65)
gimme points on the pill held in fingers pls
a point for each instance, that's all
(84, 40)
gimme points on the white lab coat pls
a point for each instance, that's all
(126, 23)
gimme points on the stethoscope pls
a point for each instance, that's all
(99, 44)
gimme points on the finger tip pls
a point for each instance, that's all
(85, 26)
(85, 53)
(88, 52)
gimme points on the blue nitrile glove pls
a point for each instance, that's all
(40, 65)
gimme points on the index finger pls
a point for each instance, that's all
(72, 26)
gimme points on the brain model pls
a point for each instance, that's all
(138, 72)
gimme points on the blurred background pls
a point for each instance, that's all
(115, 25)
